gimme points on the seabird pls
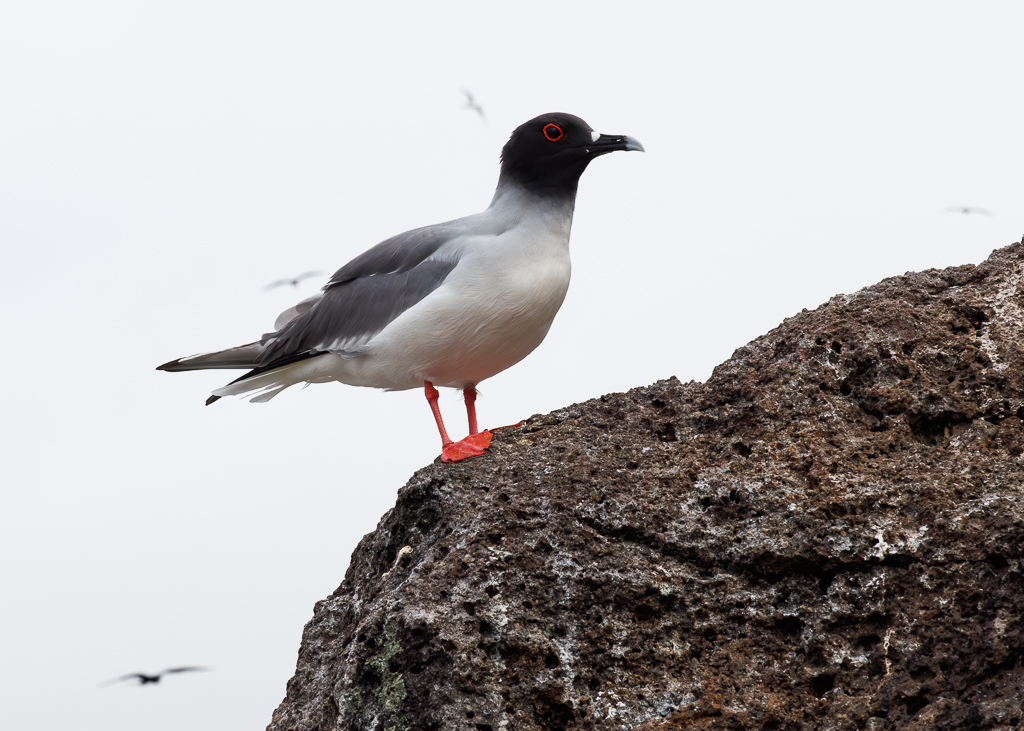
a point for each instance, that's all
(294, 281)
(968, 210)
(146, 679)
(472, 104)
(447, 305)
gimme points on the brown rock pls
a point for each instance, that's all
(827, 534)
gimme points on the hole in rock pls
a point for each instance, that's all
(915, 704)
(742, 449)
(822, 684)
(789, 625)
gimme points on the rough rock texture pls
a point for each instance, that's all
(826, 534)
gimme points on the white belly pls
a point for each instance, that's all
(492, 311)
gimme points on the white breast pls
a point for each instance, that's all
(492, 311)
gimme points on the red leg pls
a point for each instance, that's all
(432, 394)
(473, 445)
(470, 393)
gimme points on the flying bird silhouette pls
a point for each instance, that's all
(472, 104)
(145, 679)
(294, 281)
(968, 210)
(443, 305)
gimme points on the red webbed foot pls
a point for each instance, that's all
(472, 446)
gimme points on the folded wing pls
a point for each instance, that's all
(359, 301)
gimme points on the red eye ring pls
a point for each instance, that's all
(553, 132)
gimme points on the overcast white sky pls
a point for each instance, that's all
(161, 162)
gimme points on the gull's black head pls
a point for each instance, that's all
(548, 154)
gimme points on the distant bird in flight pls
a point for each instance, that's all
(445, 305)
(472, 104)
(967, 210)
(146, 679)
(294, 281)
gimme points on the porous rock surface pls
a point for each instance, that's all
(825, 535)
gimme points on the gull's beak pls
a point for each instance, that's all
(610, 143)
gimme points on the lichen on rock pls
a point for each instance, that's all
(391, 691)
(828, 533)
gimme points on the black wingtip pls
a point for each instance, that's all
(168, 365)
(212, 399)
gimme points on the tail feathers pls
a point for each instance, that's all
(267, 392)
(244, 356)
(268, 381)
(266, 386)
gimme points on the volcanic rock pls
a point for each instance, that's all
(827, 534)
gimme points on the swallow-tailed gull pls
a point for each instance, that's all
(444, 305)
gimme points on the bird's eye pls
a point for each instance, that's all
(553, 132)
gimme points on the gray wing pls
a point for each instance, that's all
(365, 295)
(357, 303)
(189, 669)
(130, 676)
(295, 310)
